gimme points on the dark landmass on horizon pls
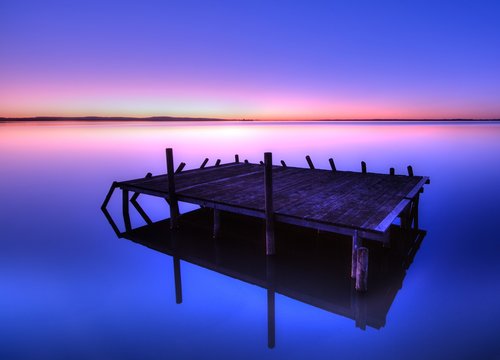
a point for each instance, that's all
(187, 119)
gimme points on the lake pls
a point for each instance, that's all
(71, 289)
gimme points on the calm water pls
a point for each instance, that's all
(71, 289)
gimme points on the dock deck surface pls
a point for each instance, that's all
(341, 201)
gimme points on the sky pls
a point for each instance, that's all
(355, 59)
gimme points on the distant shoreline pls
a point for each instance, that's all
(194, 119)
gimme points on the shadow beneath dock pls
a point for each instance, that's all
(310, 266)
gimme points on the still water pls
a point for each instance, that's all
(71, 289)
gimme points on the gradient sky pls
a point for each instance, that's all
(251, 59)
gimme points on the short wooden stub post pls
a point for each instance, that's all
(309, 162)
(283, 163)
(236, 158)
(180, 167)
(363, 167)
(246, 161)
(204, 163)
(268, 184)
(174, 206)
(362, 269)
(216, 232)
(391, 171)
(410, 170)
(332, 164)
(355, 244)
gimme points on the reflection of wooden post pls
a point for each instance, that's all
(355, 243)
(271, 306)
(125, 208)
(271, 319)
(269, 211)
(216, 232)
(362, 269)
(177, 280)
(174, 206)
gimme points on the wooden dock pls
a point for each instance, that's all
(362, 205)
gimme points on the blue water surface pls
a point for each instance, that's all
(71, 289)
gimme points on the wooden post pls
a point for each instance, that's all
(410, 170)
(174, 206)
(246, 161)
(362, 269)
(268, 183)
(204, 163)
(217, 163)
(332, 164)
(363, 167)
(309, 162)
(415, 211)
(355, 244)
(283, 163)
(236, 158)
(391, 171)
(177, 280)
(216, 232)
(125, 208)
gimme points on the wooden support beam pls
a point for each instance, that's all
(125, 208)
(114, 185)
(174, 206)
(391, 171)
(283, 163)
(217, 163)
(180, 167)
(216, 232)
(309, 162)
(356, 242)
(410, 170)
(363, 167)
(236, 158)
(362, 269)
(177, 280)
(414, 209)
(332, 164)
(268, 183)
(204, 163)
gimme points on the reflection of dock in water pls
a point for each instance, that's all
(309, 266)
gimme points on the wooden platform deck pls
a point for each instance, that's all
(358, 204)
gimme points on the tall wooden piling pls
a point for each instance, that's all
(391, 171)
(216, 232)
(362, 269)
(236, 158)
(174, 206)
(268, 184)
(355, 244)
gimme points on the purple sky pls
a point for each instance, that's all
(251, 59)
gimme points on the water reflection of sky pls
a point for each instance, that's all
(69, 286)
